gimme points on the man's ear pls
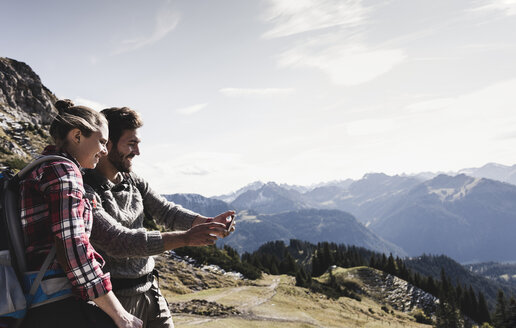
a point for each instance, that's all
(109, 145)
(75, 136)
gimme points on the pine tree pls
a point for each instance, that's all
(391, 266)
(483, 311)
(500, 315)
(274, 269)
(511, 313)
(302, 279)
(448, 316)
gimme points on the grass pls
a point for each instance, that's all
(275, 301)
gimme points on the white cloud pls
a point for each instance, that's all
(297, 16)
(173, 168)
(507, 6)
(370, 127)
(430, 105)
(485, 114)
(238, 92)
(89, 103)
(166, 20)
(348, 64)
(191, 109)
(194, 170)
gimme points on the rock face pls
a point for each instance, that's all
(386, 288)
(22, 95)
(26, 111)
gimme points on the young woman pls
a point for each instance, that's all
(55, 211)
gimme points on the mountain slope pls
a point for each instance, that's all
(200, 204)
(269, 199)
(468, 219)
(311, 225)
(431, 266)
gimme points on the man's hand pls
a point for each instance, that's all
(201, 234)
(204, 234)
(226, 218)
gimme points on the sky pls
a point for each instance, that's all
(291, 91)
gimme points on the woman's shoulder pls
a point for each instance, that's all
(61, 172)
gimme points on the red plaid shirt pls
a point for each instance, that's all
(54, 209)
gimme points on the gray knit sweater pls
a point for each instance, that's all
(118, 233)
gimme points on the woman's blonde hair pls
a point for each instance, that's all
(74, 117)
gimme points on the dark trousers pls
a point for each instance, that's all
(70, 312)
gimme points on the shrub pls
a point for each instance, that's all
(16, 163)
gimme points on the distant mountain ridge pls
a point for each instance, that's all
(469, 219)
(313, 225)
(270, 199)
(199, 204)
(493, 171)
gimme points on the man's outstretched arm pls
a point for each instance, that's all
(119, 241)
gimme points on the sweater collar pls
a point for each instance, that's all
(104, 183)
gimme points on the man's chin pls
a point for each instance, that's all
(127, 167)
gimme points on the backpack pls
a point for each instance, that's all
(20, 289)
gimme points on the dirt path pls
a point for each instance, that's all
(247, 308)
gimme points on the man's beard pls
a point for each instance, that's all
(117, 159)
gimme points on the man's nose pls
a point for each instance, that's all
(136, 150)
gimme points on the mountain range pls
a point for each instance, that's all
(313, 225)
(470, 219)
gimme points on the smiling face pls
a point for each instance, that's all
(121, 155)
(88, 150)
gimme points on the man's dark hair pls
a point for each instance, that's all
(120, 119)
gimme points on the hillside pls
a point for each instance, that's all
(383, 288)
(431, 266)
(272, 301)
(26, 110)
(504, 273)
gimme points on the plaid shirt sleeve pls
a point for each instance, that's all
(71, 218)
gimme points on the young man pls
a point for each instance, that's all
(122, 201)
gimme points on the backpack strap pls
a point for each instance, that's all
(40, 160)
(41, 273)
(11, 207)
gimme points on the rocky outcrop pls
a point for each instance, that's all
(389, 289)
(183, 275)
(26, 110)
(23, 96)
(203, 307)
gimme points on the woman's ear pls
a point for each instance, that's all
(75, 136)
